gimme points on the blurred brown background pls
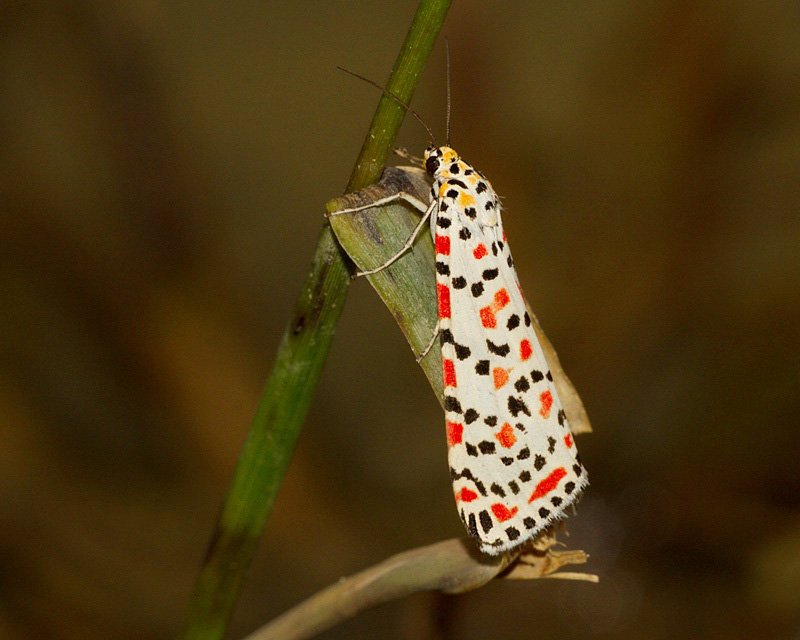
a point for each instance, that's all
(164, 169)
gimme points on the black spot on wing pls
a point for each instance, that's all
(498, 349)
(472, 527)
(466, 473)
(517, 406)
(470, 416)
(486, 447)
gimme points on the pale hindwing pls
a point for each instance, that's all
(514, 466)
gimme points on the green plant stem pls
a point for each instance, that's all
(302, 352)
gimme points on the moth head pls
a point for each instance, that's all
(435, 157)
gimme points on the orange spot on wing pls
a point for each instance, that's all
(500, 376)
(502, 512)
(449, 373)
(547, 402)
(480, 251)
(548, 484)
(525, 349)
(506, 436)
(465, 495)
(443, 297)
(568, 440)
(501, 299)
(488, 319)
(455, 430)
(443, 245)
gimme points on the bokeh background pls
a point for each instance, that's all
(163, 173)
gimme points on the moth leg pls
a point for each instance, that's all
(409, 243)
(435, 335)
(403, 153)
(401, 195)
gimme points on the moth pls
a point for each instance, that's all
(513, 462)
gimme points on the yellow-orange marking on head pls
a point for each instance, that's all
(448, 155)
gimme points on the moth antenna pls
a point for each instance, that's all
(393, 97)
(447, 57)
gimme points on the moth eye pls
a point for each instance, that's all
(432, 164)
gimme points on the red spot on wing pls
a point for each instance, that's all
(488, 319)
(548, 484)
(443, 296)
(568, 440)
(547, 401)
(455, 430)
(501, 299)
(500, 376)
(465, 495)
(506, 436)
(449, 373)
(480, 251)
(443, 245)
(502, 512)
(525, 349)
